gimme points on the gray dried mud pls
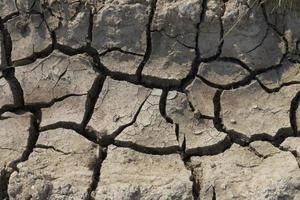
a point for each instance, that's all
(149, 99)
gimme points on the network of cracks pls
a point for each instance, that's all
(104, 140)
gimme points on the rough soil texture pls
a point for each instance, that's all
(149, 99)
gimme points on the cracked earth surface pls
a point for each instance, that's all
(154, 99)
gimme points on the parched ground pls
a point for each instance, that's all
(149, 99)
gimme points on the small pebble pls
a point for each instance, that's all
(232, 121)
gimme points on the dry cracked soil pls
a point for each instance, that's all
(149, 100)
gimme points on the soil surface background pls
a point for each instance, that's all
(149, 100)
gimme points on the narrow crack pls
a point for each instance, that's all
(112, 49)
(197, 59)
(89, 37)
(120, 129)
(91, 134)
(33, 107)
(102, 154)
(147, 150)
(148, 41)
(210, 150)
(40, 105)
(293, 113)
(91, 100)
(162, 106)
(15, 87)
(261, 41)
(43, 146)
(60, 76)
(193, 178)
(276, 89)
(173, 37)
(214, 196)
(10, 16)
